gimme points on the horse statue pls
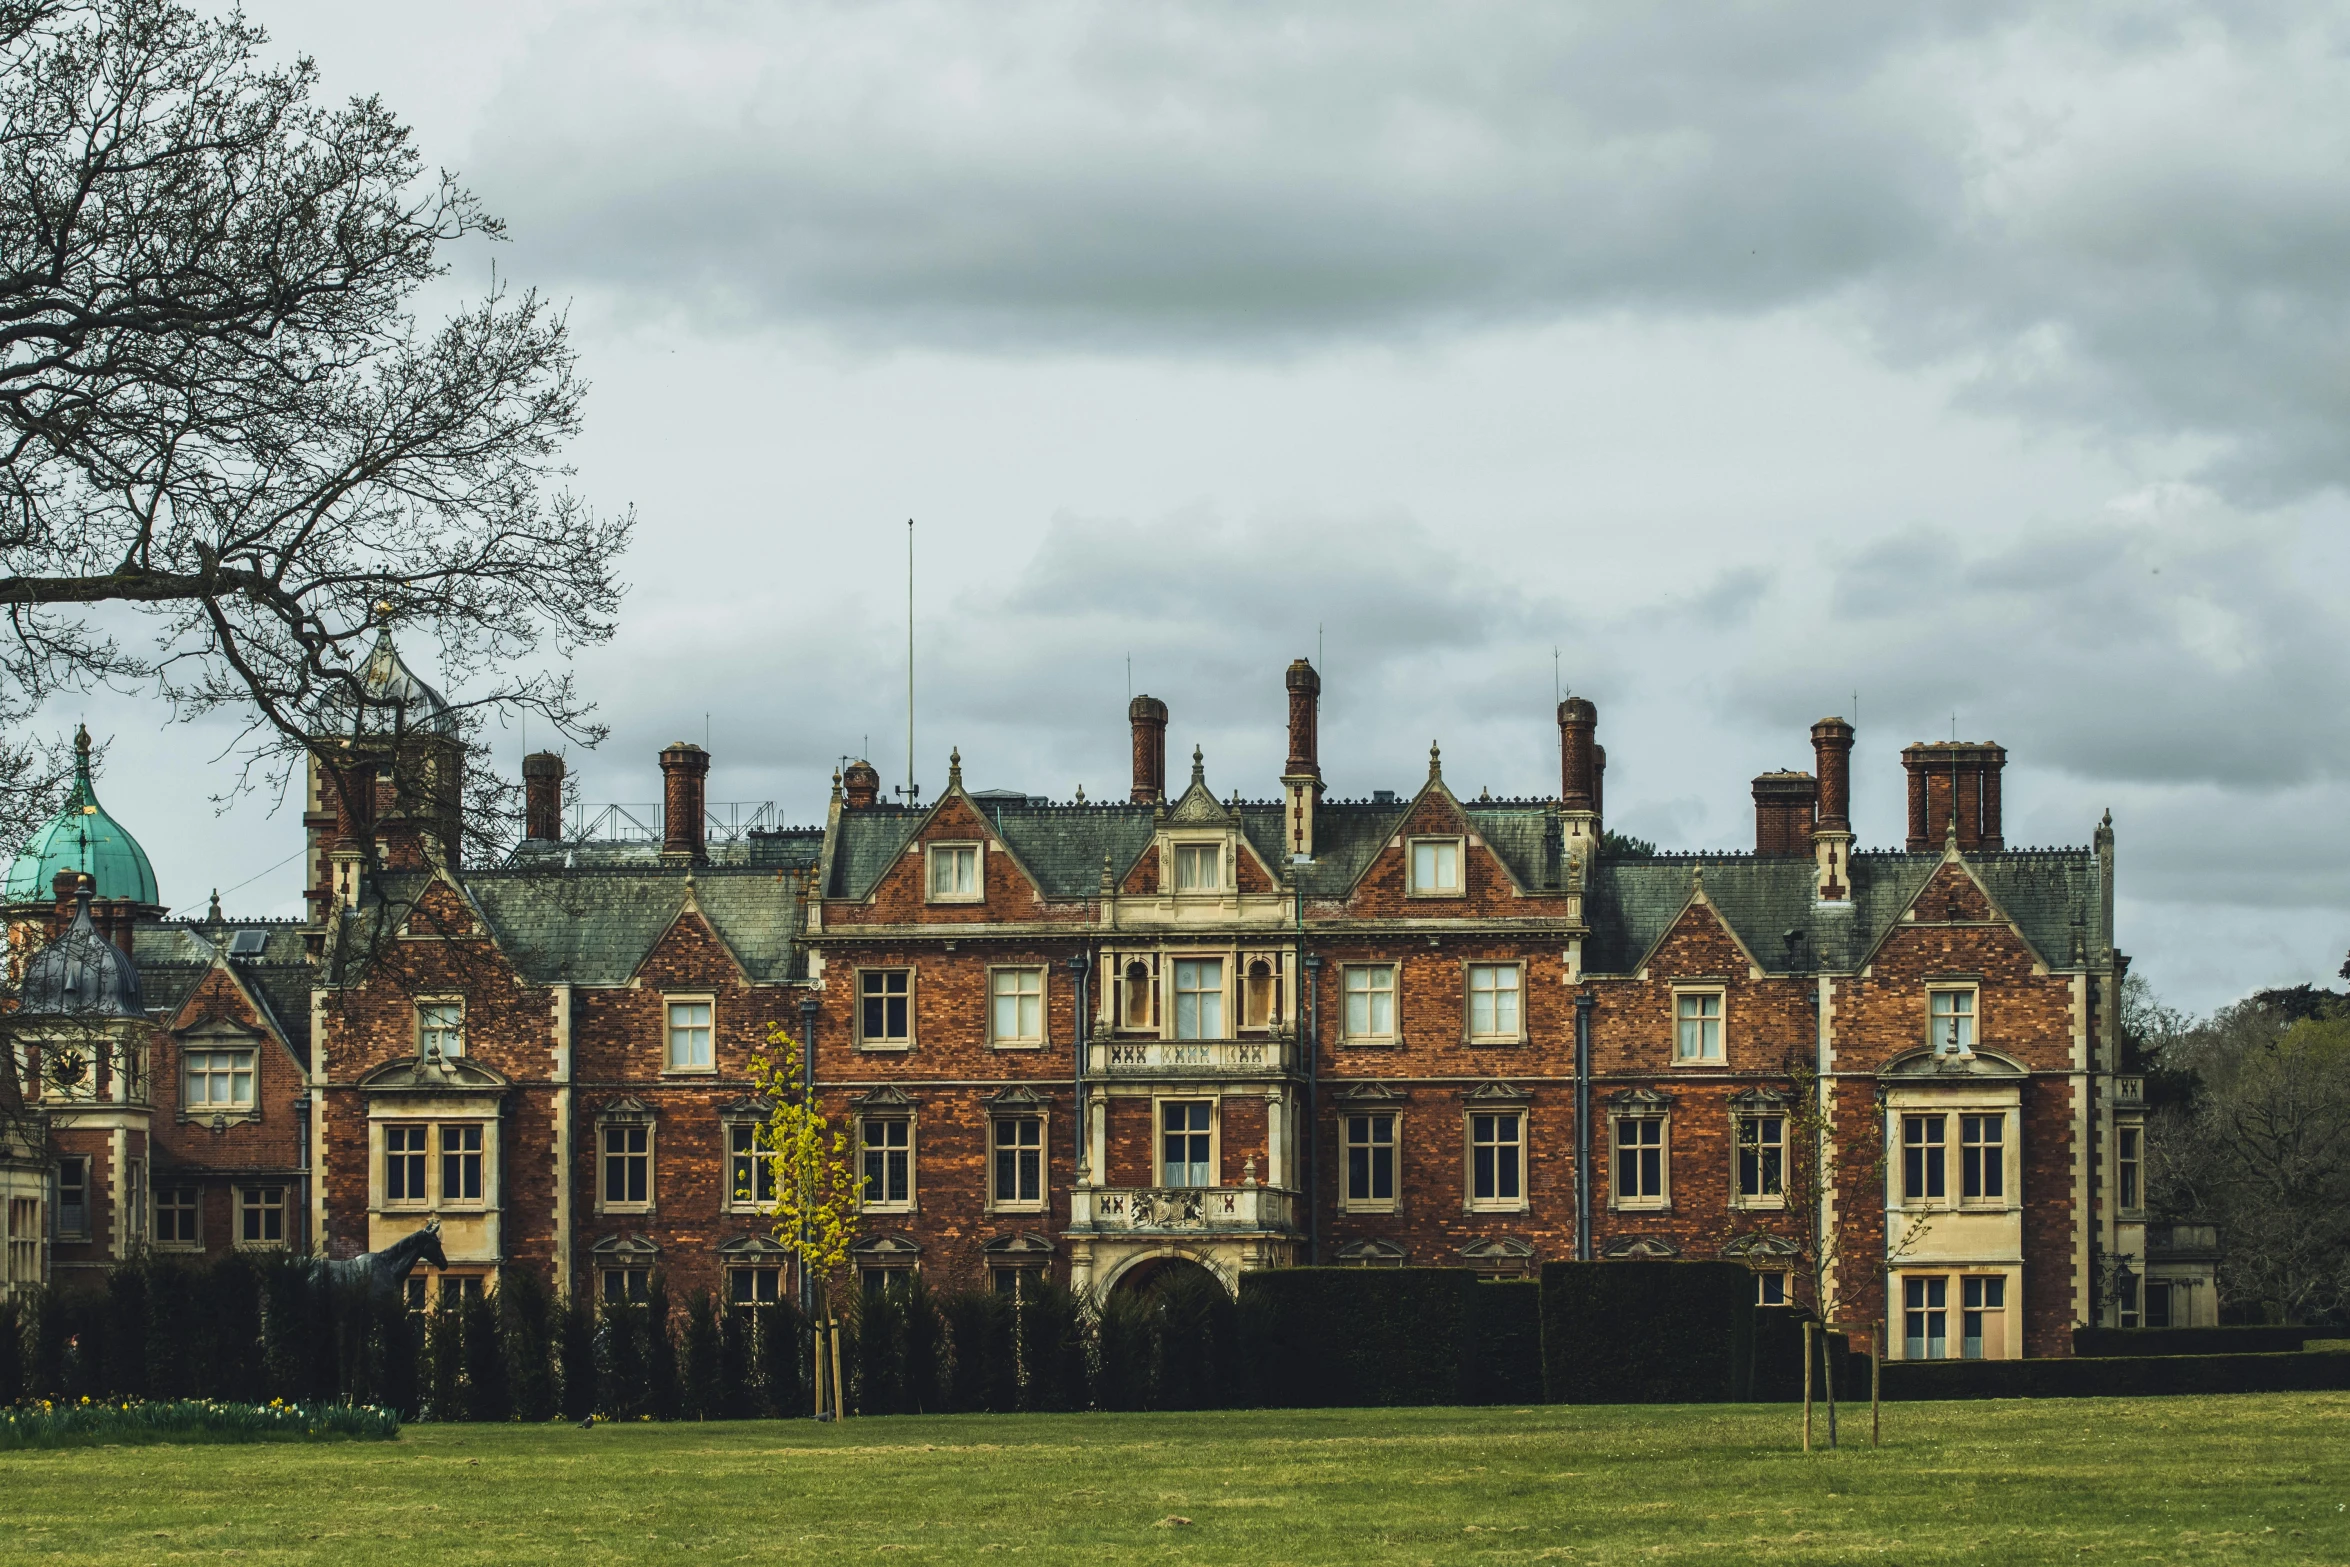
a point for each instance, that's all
(383, 1272)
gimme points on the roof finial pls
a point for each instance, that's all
(1199, 767)
(214, 916)
(1435, 764)
(955, 768)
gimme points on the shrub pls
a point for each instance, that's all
(986, 1370)
(1646, 1332)
(575, 1357)
(877, 1363)
(660, 1351)
(525, 1337)
(623, 1388)
(487, 1394)
(700, 1381)
(1197, 1362)
(12, 1355)
(123, 1421)
(125, 1371)
(444, 1359)
(2116, 1376)
(2259, 1338)
(1125, 1345)
(1329, 1337)
(1506, 1321)
(778, 1347)
(1050, 1330)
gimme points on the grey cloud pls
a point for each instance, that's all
(2137, 227)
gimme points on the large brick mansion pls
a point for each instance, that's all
(1105, 1039)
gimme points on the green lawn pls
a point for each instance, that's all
(2154, 1480)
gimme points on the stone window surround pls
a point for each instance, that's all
(196, 1188)
(628, 1112)
(1488, 1099)
(1641, 1104)
(1974, 1097)
(1954, 1313)
(1460, 866)
(250, 1200)
(889, 1104)
(1014, 1104)
(428, 1116)
(1394, 1034)
(931, 857)
(857, 1001)
(1469, 1036)
(219, 1034)
(743, 1112)
(1215, 1104)
(1365, 1104)
(1970, 985)
(416, 1013)
(1747, 1105)
(676, 998)
(1702, 985)
(1044, 1007)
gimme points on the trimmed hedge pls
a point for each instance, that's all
(1647, 1332)
(1351, 1337)
(2114, 1376)
(1777, 1361)
(1506, 1316)
(2259, 1339)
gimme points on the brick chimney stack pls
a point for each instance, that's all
(1148, 715)
(1954, 779)
(1301, 779)
(685, 770)
(1580, 761)
(1783, 807)
(860, 785)
(1831, 751)
(542, 797)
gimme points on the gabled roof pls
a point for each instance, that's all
(1630, 904)
(175, 955)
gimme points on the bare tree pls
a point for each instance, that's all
(221, 422)
(2258, 1142)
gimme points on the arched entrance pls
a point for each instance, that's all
(1154, 1272)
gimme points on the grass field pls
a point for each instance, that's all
(2153, 1480)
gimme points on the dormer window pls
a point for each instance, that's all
(1952, 1014)
(954, 873)
(1199, 867)
(440, 1028)
(1436, 867)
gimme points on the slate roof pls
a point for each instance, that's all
(1629, 904)
(790, 848)
(595, 926)
(1063, 846)
(173, 956)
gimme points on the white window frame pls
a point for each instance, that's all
(1765, 1201)
(1661, 1201)
(189, 1073)
(1215, 1167)
(442, 1153)
(89, 1202)
(867, 1041)
(997, 1202)
(943, 852)
(707, 1028)
(1943, 1145)
(1346, 999)
(250, 1203)
(1210, 853)
(733, 1129)
(754, 1271)
(2128, 1136)
(996, 976)
(1765, 1280)
(1515, 1035)
(436, 1028)
(906, 1204)
(628, 1274)
(1221, 995)
(604, 1154)
(418, 1199)
(196, 1207)
(1457, 887)
(2004, 1199)
(1347, 1201)
(1524, 1143)
(1720, 1020)
(1936, 1036)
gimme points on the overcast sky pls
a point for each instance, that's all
(1979, 364)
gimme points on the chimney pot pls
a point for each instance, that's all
(1578, 767)
(1954, 780)
(860, 786)
(685, 770)
(1305, 700)
(1831, 749)
(1783, 808)
(1148, 716)
(542, 796)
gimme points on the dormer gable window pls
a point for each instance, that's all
(1436, 867)
(1199, 867)
(954, 873)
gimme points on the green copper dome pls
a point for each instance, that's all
(82, 837)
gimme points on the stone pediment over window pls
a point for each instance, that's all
(887, 1097)
(1747, 1248)
(1021, 1243)
(1371, 1254)
(1199, 807)
(1639, 1248)
(1498, 1251)
(1944, 1066)
(888, 1246)
(1763, 1099)
(634, 1247)
(1494, 1093)
(1373, 1093)
(746, 1110)
(627, 1110)
(446, 1075)
(1640, 1099)
(753, 1248)
(1017, 1097)
(215, 1030)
